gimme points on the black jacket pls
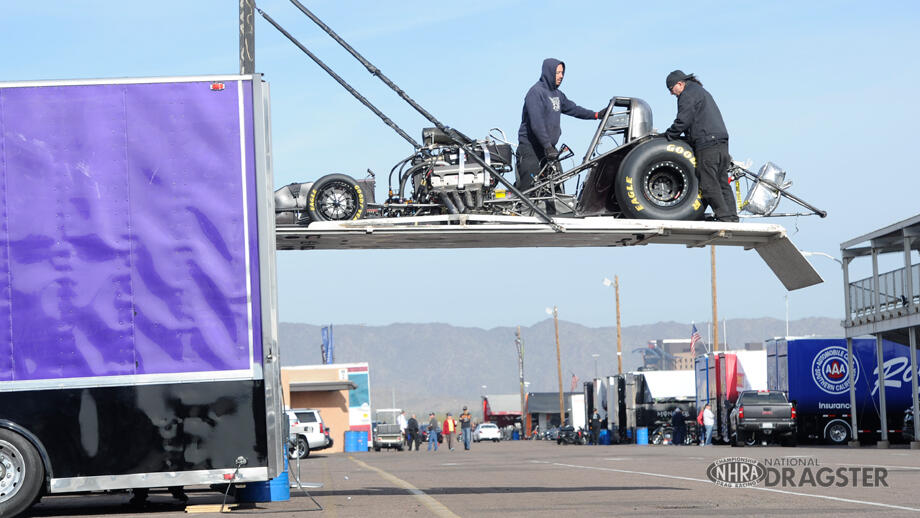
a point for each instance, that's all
(542, 108)
(595, 422)
(677, 419)
(412, 425)
(699, 117)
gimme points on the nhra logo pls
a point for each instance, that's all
(829, 370)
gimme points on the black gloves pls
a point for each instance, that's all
(551, 153)
(600, 113)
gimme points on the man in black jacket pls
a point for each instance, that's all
(540, 130)
(595, 425)
(700, 119)
(678, 427)
(412, 436)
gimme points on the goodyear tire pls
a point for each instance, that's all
(21, 473)
(657, 180)
(335, 197)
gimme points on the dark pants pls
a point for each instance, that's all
(528, 165)
(680, 433)
(712, 168)
(412, 438)
(595, 436)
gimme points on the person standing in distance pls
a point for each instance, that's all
(403, 423)
(466, 423)
(699, 118)
(540, 130)
(709, 420)
(433, 427)
(412, 436)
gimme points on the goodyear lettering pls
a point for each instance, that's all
(630, 192)
(680, 150)
(360, 193)
(698, 202)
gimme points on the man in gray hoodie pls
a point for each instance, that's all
(540, 129)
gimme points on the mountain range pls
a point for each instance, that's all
(440, 367)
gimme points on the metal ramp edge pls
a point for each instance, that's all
(487, 231)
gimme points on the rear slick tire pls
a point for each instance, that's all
(21, 473)
(657, 180)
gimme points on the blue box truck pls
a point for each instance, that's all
(138, 342)
(813, 372)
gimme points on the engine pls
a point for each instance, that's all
(445, 174)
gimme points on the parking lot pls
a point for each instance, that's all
(540, 478)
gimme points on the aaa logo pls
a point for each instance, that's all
(830, 370)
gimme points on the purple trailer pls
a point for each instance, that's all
(137, 298)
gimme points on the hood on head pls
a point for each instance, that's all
(549, 72)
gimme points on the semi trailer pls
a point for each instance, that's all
(137, 286)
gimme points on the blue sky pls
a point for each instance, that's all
(824, 89)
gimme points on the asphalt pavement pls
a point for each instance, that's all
(541, 478)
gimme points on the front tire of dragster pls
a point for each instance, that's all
(657, 180)
(336, 197)
(24, 473)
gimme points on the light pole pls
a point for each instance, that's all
(616, 290)
(595, 356)
(555, 313)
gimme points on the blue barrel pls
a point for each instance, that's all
(274, 490)
(604, 437)
(642, 435)
(515, 435)
(361, 438)
(351, 441)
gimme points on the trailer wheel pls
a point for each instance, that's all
(335, 197)
(837, 432)
(657, 180)
(21, 473)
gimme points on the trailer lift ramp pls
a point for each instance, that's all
(487, 231)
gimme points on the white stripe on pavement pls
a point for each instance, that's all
(691, 479)
(433, 505)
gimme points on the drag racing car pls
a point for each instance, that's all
(643, 175)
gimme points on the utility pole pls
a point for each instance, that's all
(519, 345)
(715, 313)
(559, 367)
(247, 37)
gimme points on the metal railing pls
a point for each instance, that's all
(892, 293)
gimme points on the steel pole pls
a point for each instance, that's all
(912, 338)
(851, 360)
(879, 357)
